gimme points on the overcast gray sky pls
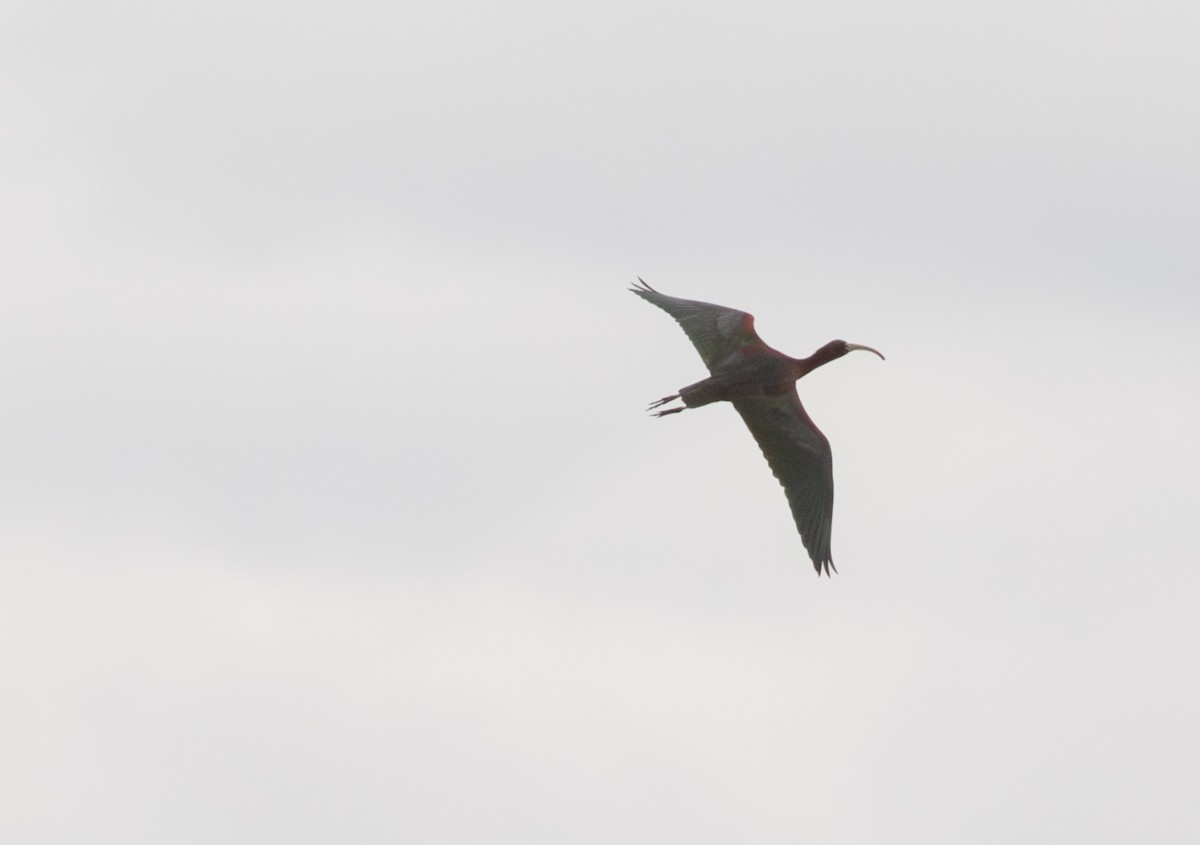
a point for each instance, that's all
(330, 512)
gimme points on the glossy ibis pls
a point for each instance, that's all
(761, 384)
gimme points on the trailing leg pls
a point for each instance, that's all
(662, 402)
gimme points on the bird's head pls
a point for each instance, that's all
(837, 348)
(830, 352)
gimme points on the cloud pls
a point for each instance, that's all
(331, 508)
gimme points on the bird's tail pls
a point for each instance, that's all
(701, 393)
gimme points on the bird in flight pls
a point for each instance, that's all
(761, 384)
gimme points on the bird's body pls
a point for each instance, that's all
(760, 382)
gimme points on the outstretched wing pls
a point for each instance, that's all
(716, 331)
(800, 457)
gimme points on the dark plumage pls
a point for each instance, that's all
(761, 384)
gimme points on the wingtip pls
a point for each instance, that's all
(825, 567)
(644, 288)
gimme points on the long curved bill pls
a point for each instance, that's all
(850, 347)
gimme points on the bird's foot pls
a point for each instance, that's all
(662, 402)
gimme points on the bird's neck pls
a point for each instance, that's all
(804, 366)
